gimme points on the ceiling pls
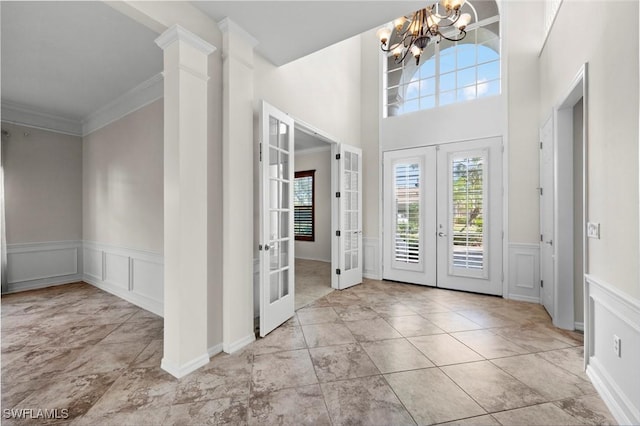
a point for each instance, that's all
(288, 30)
(69, 59)
(304, 141)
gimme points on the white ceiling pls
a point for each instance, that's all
(288, 30)
(71, 58)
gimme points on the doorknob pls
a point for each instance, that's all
(550, 242)
(441, 234)
(266, 247)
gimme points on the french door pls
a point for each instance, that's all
(443, 216)
(277, 286)
(547, 257)
(348, 256)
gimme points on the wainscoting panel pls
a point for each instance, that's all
(524, 272)
(43, 264)
(371, 262)
(134, 275)
(609, 313)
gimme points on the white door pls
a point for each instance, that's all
(469, 230)
(276, 219)
(547, 258)
(443, 216)
(410, 215)
(349, 215)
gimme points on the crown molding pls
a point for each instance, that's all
(140, 96)
(178, 33)
(24, 115)
(227, 26)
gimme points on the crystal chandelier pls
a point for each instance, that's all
(414, 34)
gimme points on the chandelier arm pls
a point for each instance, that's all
(461, 36)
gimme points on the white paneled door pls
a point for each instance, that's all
(443, 216)
(349, 216)
(277, 286)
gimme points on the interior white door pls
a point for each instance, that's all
(349, 216)
(469, 230)
(277, 275)
(547, 257)
(410, 215)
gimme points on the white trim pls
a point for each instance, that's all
(579, 326)
(177, 33)
(523, 281)
(24, 115)
(228, 26)
(214, 350)
(238, 344)
(138, 279)
(313, 150)
(39, 265)
(140, 96)
(608, 311)
(371, 267)
(179, 371)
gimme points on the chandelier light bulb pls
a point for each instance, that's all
(416, 51)
(383, 34)
(399, 22)
(463, 21)
(397, 52)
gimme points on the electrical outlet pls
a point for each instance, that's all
(617, 346)
(593, 230)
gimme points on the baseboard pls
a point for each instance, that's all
(43, 264)
(136, 299)
(524, 272)
(578, 326)
(238, 344)
(316, 260)
(136, 276)
(610, 312)
(522, 298)
(214, 350)
(179, 371)
(43, 283)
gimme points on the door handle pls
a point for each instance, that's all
(441, 234)
(550, 242)
(266, 247)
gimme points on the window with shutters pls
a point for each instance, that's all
(303, 204)
(407, 207)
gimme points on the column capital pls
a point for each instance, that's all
(227, 26)
(177, 33)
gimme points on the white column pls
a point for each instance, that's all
(238, 188)
(185, 200)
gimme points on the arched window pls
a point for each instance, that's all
(449, 72)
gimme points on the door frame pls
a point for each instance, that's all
(334, 145)
(564, 316)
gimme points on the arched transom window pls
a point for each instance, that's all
(449, 72)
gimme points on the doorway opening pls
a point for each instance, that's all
(312, 217)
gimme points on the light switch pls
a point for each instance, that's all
(593, 230)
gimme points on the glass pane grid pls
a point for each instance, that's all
(453, 72)
(407, 213)
(467, 200)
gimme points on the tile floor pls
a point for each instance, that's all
(313, 281)
(379, 353)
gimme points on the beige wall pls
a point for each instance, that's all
(320, 249)
(521, 53)
(122, 181)
(612, 111)
(322, 89)
(43, 185)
